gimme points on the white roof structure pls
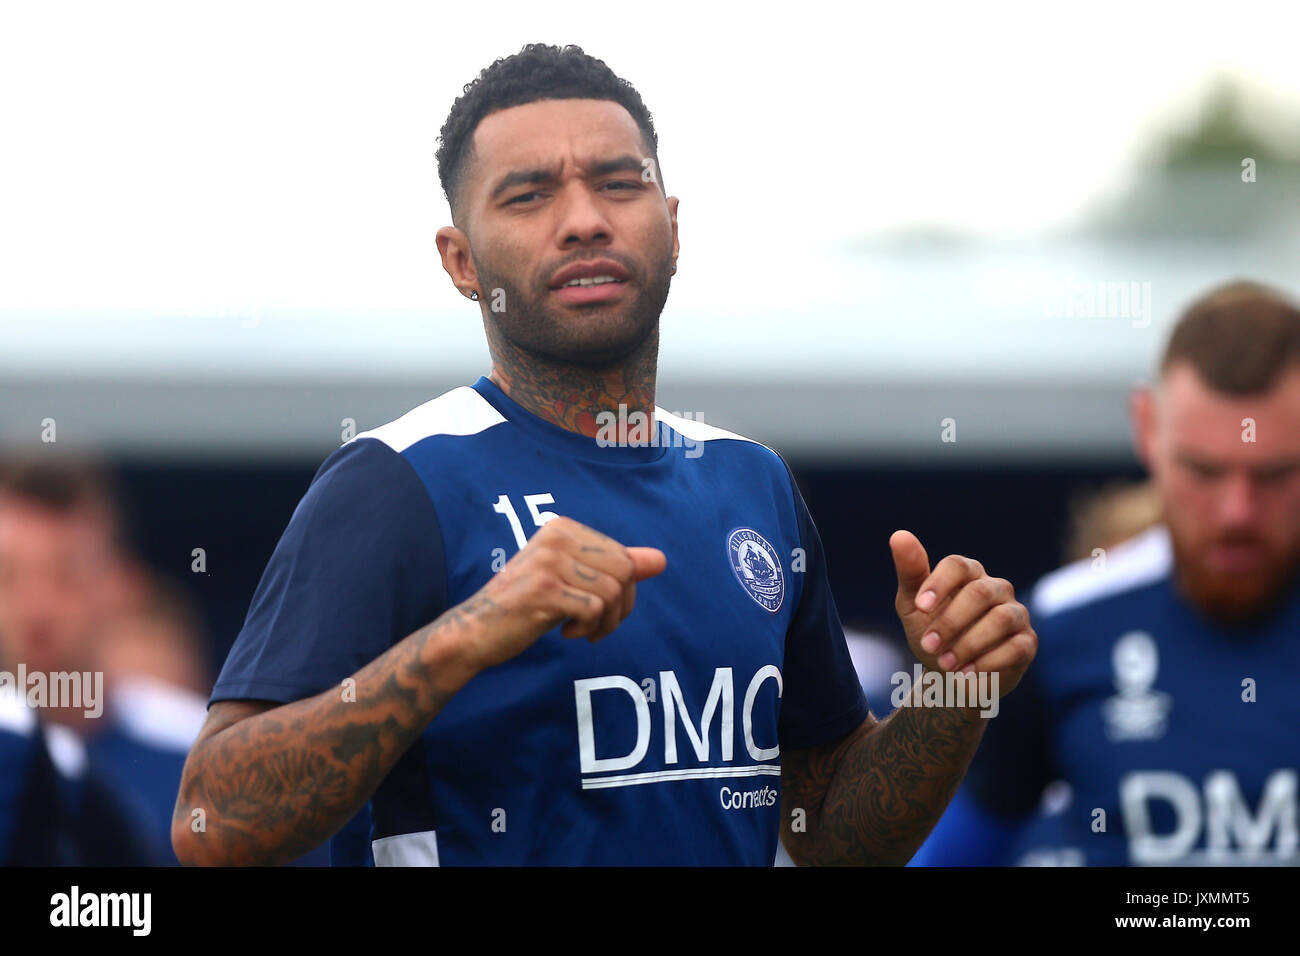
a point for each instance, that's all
(1030, 350)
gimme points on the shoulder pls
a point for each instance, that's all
(379, 459)
(459, 412)
(1122, 572)
(745, 461)
(700, 431)
(702, 440)
(159, 715)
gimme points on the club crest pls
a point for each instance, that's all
(1138, 711)
(757, 566)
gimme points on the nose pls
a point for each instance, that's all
(1238, 500)
(581, 220)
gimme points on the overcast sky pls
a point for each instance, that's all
(192, 159)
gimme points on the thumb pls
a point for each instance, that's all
(912, 565)
(648, 562)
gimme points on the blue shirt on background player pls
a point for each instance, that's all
(56, 808)
(142, 750)
(659, 744)
(1177, 737)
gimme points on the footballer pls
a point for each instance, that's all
(498, 631)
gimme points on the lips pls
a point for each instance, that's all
(590, 294)
(1236, 556)
(589, 269)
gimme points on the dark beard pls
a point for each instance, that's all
(591, 337)
(568, 367)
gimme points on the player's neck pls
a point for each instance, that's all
(571, 396)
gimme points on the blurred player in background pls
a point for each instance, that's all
(156, 645)
(60, 578)
(151, 656)
(74, 599)
(1100, 519)
(1116, 512)
(55, 808)
(1164, 694)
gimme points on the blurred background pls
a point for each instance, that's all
(925, 251)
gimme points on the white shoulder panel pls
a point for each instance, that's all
(158, 714)
(461, 411)
(699, 431)
(1142, 559)
(15, 716)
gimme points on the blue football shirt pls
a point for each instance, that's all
(1180, 739)
(659, 744)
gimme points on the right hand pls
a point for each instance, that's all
(566, 572)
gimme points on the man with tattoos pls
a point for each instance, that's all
(411, 651)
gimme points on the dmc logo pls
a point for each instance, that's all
(720, 705)
(1217, 809)
(757, 567)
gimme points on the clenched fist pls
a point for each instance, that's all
(567, 572)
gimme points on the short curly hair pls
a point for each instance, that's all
(537, 72)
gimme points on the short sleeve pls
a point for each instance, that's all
(360, 566)
(822, 698)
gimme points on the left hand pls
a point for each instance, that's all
(957, 618)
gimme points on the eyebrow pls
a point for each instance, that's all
(1197, 460)
(1276, 465)
(541, 174)
(1281, 465)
